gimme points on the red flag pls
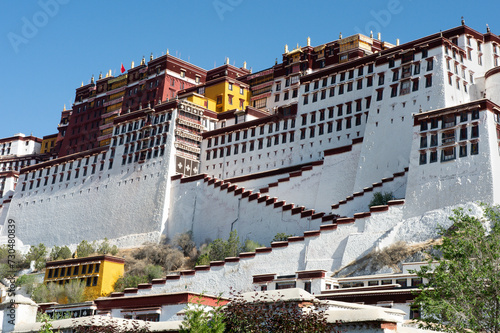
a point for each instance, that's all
(123, 68)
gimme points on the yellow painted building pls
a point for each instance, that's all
(48, 142)
(98, 273)
(222, 95)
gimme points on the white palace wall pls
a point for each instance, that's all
(211, 209)
(124, 204)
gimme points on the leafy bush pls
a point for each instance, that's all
(139, 274)
(60, 253)
(250, 246)
(380, 199)
(281, 236)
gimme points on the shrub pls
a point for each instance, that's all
(281, 236)
(250, 246)
(140, 273)
(380, 199)
(266, 313)
(185, 243)
(220, 249)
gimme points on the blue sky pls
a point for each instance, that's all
(48, 47)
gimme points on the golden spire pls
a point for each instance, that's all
(100, 75)
(82, 84)
(132, 65)
(168, 52)
(340, 35)
(286, 48)
(244, 64)
(92, 79)
(143, 61)
(64, 107)
(308, 41)
(151, 56)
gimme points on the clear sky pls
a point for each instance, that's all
(48, 47)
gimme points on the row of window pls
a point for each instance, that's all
(286, 137)
(89, 282)
(449, 153)
(75, 270)
(143, 155)
(449, 136)
(448, 120)
(333, 78)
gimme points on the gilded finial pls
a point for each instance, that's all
(168, 52)
(276, 61)
(308, 41)
(143, 61)
(100, 75)
(151, 56)
(132, 65)
(286, 48)
(297, 46)
(92, 79)
(64, 107)
(340, 35)
(227, 60)
(82, 84)
(371, 33)
(244, 64)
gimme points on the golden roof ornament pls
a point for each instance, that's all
(100, 75)
(143, 61)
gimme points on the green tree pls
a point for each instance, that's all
(38, 254)
(380, 199)
(106, 248)
(463, 289)
(59, 253)
(85, 249)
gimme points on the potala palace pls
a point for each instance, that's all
(300, 148)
